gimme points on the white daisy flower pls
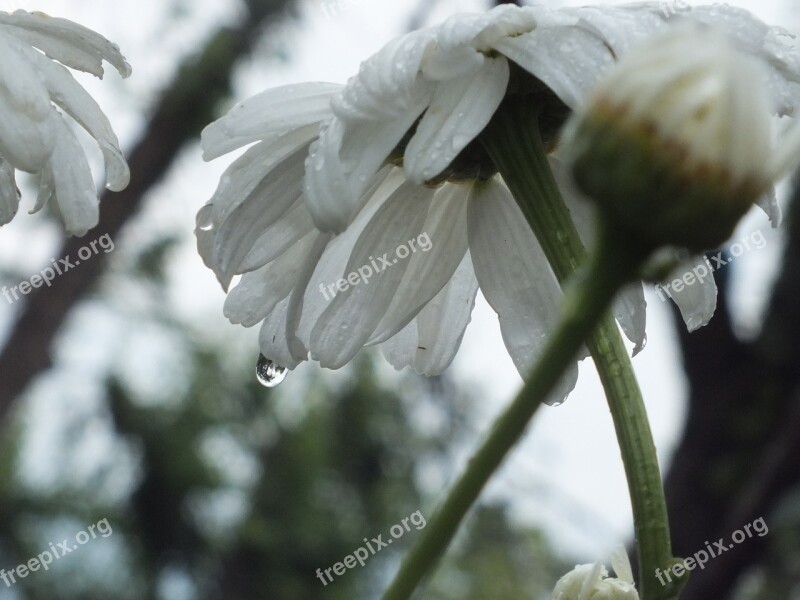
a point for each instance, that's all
(592, 582)
(36, 91)
(343, 176)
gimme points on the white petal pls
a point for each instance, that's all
(429, 343)
(458, 112)
(440, 248)
(69, 43)
(297, 299)
(621, 564)
(22, 86)
(9, 194)
(47, 189)
(769, 204)
(569, 60)
(780, 56)
(69, 95)
(331, 266)
(622, 27)
(515, 278)
(289, 228)
(363, 148)
(373, 113)
(26, 134)
(253, 168)
(272, 336)
(388, 82)
(400, 350)
(205, 234)
(441, 324)
(353, 314)
(268, 115)
(697, 301)
(278, 335)
(273, 197)
(630, 309)
(72, 178)
(456, 53)
(258, 292)
(328, 193)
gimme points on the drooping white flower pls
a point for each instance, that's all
(342, 176)
(37, 90)
(592, 582)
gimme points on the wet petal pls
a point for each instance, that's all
(355, 311)
(9, 194)
(271, 198)
(73, 182)
(697, 300)
(76, 101)
(439, 249)
(429, 343)
(67, 42)
(457, 113)
(515, 278)
(259, 292)
(267, 116)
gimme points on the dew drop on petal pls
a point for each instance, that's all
(268, 373)
(205, 218)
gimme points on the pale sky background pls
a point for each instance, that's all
(567, 475)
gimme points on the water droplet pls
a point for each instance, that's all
(268, 373)
(205, 218)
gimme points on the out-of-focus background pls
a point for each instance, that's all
(133, 427)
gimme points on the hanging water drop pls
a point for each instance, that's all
(268, 373)
(205, 218)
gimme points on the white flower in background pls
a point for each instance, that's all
(591, 582)
(36, 91)
(343, 175)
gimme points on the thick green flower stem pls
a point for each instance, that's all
(514, 143)
(583, 308)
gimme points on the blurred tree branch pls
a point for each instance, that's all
(185, 107)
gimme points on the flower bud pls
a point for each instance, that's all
(591, 582)
(675, 144)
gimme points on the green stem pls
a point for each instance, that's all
(585, 306)
(514, 143)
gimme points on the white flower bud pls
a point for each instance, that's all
(676, 142)
(591, 582)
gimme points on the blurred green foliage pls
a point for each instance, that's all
(240, 492)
